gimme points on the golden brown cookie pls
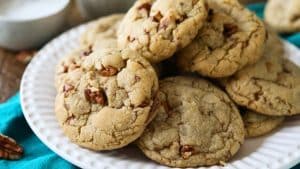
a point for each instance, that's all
(156, 29)
(283, 15)
(103, 28)
(271, 86)
(107, 104)
(196, 125)
(259, 124)
(232, 38)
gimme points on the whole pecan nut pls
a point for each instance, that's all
(9, 149)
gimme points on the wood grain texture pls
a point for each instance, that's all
(11, 71)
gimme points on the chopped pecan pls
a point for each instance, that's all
(67, 88)
(164, 23)
(95, 97)
(182, 18)
(145, 6)
(186, 151)
(157, 17)
(145, 103)
(108, 71)
(9, 149)
(88, 51)
(229, 29)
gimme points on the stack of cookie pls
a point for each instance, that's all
(186, 80)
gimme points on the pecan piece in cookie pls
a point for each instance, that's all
(186, 151)
(229, 29)
(108, 71)
(88, 51)
(96, 97)
(9, 149)
(145, 6)
(67, 88)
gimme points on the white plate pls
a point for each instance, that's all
(281, 149)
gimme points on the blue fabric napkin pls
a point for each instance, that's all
(37, 155)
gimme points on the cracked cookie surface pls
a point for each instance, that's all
(283, 16)
(232, 38)
(158, 28)
(107, 105)
(271, 86)
(259, 124)
(101, 34)
(196, 125)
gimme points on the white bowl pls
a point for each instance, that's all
(26, 24)
(92, 9)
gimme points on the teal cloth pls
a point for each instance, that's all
(37, 155)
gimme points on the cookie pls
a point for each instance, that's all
(156, 29)
(259, 124)
(196, 125)
(271, 86)
(103, 28)
(231, 38)
(70, 64)
(283, 16)
(107, 105)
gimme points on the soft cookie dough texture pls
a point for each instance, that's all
(271, 86)
(156, 29)
(259, 124)
(101, 34)
(283, 15)
(196, 125)
(107, 105)
(231, 38)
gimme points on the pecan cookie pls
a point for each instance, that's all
(232, 38)
(271, 86)
(196, 125)
(107, 105)
(103, 28)
(156, 29)
(259, 124)
(71, 64)
(283, 16)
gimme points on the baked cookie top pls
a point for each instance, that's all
(102, 28)
(271, 86)
(259, 124)
(156, 29)
(107, 105)
(283, 16)
(101, 34)
(196, 125)
(231, 38)
(71, 64)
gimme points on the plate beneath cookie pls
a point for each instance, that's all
(278, 150)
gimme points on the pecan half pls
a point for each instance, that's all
(108, 71)
(9, 149)
(229, 29)
(186, 151)
(96, 97)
